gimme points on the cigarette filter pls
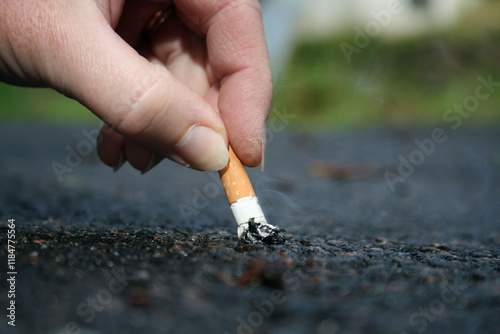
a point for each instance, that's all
(252, 224)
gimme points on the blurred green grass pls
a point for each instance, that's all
(40, 105)
(405, 83)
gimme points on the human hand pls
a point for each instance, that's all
(201, 80)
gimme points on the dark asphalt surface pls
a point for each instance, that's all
(104, 252)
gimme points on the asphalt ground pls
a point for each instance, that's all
(103, 252)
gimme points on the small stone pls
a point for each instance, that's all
(305, 242)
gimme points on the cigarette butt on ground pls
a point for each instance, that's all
(252, 224)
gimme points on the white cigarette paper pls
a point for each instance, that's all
(245, 209)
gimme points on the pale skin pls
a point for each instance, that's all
(200, 82)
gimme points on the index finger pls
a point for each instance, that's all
(239, 60)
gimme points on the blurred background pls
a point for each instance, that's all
(341, 64)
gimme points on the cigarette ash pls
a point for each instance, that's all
(262, 232)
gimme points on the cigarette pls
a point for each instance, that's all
(251, 222)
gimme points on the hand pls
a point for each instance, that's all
(201, 81)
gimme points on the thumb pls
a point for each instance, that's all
(138, 99)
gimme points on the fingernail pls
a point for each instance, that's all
(263, 161)
(121, 162)
(155, 160)
(203, 149)
(179, 160)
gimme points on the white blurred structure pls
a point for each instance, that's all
(286, 20)
(320, 17)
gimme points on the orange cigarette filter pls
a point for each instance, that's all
(235, 179)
